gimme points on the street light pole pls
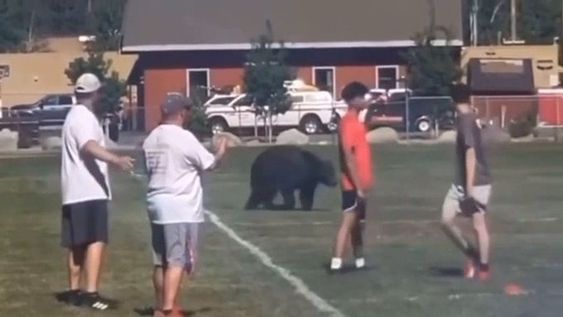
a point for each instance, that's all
(407, 108)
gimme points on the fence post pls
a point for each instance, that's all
(557, 121)
(487, 109)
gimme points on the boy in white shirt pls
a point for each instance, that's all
(174, 161)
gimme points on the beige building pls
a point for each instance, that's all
(545, 60)
(31, 76)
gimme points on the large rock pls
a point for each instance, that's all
(51, 143)
(254, 143)
(8, 140)
(232, 140)
(382, 135)
(292, 136)
(525, 139)
(494, 134)
(447, 137)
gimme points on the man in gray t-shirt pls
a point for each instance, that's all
(469, 194)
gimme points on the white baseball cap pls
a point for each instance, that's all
(87, 83)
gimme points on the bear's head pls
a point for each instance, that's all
(327, 175)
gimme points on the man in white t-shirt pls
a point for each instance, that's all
(85, 195)
(174, 161)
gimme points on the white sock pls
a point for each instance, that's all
(360, 263)
(336, 264)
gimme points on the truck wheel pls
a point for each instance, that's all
(332, 126)
(310, 124)
(423, 125)
(218, 125)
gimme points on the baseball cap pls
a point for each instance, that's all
(87, 83)
(174, 103)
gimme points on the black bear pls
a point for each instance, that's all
(287, 169)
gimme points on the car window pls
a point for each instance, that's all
(244, 101)
(222, 100)
(297, 99)
(51, 100)
(65, 100)
(317, 98)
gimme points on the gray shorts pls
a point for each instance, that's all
(451, 207)
(175, 244)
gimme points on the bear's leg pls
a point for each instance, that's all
(288, 199)
(254, 200)
(267, 196)
(306, 196)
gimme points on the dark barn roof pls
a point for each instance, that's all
(177, 25)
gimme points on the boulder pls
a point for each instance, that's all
(494, 134)
(8, 140)
(292, 136)
(51, 143)
(526, 139)
(254, 143)
(447, 137)
(232, 140)
(383, 135)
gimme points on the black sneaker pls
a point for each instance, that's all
(70, 297)
(97, 302)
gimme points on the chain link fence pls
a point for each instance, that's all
(520, 116)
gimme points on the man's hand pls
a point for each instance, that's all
(125, 163)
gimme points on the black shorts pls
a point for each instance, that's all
(352, 203)
(84, 223)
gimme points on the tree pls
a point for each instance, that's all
(432, 69)
(265, 73)
(538, 21)
(113, 88)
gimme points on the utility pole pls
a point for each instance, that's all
(513, 20)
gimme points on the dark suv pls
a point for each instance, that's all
(424, 112)
(49, 110)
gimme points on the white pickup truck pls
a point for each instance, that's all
(311, 111)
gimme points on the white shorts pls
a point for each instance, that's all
(451, 207)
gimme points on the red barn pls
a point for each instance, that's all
(187, 43)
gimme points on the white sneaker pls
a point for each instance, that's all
(336, 264)
(360, 263)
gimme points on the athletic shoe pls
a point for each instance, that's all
(97, 302)
(360, 263)
(175, 312)
(484, 276)
(470, 269)
(70, 297)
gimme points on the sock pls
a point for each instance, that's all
(360, 263)
(336, 264)
(484, 267)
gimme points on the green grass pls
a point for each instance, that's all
(403, 241)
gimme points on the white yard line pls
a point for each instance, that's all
(298, 284)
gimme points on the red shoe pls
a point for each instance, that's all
(484, 276)
(177, 311)
(470, 270)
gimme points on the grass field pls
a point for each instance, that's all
(416, 269)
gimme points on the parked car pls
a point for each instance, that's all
(424, 113)
(49, 110)
(311, 111)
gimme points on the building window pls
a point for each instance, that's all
(198, 83)
(324, 78)
(387, 77)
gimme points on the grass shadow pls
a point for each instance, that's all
(446, 271)
(149, 311)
